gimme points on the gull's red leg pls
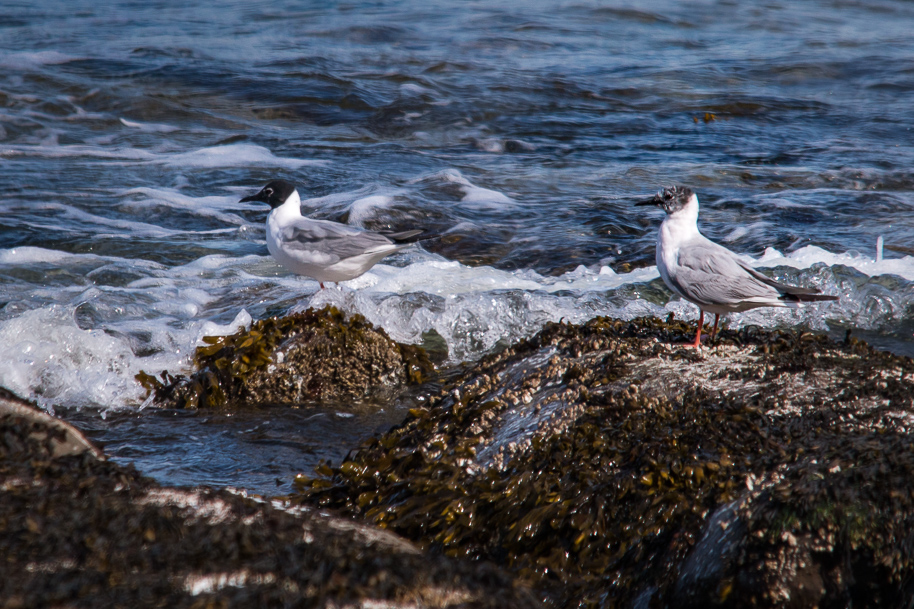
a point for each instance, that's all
(701, 321)
(716, 321)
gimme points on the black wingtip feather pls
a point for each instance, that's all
(808, 297)
(407, 236)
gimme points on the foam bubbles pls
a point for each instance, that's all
(363, 208)
(435, 275)
(50, 358)
(477, 308)
(148, 127)
(473, 195)
(230, 155)
(810, 255)
(30, 60)
(27, 254)
(235, 155)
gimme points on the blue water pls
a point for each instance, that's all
(519, 136)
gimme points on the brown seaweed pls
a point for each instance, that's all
(807, 435)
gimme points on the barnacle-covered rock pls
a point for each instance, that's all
(79, 531)
(832, 529)
(606, 465)
(305, 357)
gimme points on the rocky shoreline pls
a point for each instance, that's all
(77, 530)
(596, 465)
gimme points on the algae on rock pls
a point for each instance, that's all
(309, 356)
(77, 530)
(594, 461)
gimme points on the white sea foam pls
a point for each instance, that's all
(446, 277)
(48, 357)
(28, 255)
(148, 127)
(231, 155)
(475, 308)
(473, 196)
(82, 345)
(86, 347)
(52, 150)
(809, 255)
(363, 208)
(31, 60)
(212, 206)
(236, 155)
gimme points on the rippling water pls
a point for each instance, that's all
(520, 136)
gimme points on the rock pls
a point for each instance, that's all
(39, 429)
(607, 465)
(77, 530)
(307, 357)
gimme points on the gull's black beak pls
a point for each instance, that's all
(256, 197)
(654, 201)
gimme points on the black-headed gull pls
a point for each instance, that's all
(320, 249)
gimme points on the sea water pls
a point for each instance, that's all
(518, 136)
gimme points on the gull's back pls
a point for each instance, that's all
(327, 251)
(714, 278)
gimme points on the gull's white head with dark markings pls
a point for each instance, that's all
(273, 194)
(673, 199)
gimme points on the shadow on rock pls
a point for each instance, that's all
(79, 531)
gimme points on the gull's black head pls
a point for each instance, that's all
(671, 199)
(273, 194)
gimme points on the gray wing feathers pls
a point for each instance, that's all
(780, 287)
(335, 240)
(710, 274)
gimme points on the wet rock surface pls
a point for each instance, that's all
(607, 465)
(312, 356)
(79, 531)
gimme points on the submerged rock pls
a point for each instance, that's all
(606, 465)
(77, 530)
(306, 357)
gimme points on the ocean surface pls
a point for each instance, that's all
(519, 135)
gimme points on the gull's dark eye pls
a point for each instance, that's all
(268, 191)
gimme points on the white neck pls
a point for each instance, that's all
(681, 225)
(289, 210)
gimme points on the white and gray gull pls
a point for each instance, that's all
(320, 249)
(710, 275)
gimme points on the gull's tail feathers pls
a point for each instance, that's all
(790, 293)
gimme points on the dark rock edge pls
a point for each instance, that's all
(77, 530)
